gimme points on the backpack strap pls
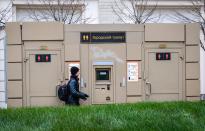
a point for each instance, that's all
(68, 87)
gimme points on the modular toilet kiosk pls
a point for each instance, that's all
(119, 63)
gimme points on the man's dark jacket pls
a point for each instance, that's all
(74, 93)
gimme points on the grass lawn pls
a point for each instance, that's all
(140, 116)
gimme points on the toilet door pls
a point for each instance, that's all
(43, 73)
(103, 87)
(163, 74)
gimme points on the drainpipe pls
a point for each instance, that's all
(4, 91)
(202, 73)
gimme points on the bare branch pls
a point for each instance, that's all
(134, 11)
(66, 11)
(5, 14)
(193, 14)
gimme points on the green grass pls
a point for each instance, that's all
(140, 116)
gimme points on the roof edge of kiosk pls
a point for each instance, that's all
(165, 32)
(104, 27)
(49, 31)
(13, 32)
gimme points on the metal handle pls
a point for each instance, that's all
(150, 87)
(181, 57)
(26, 59)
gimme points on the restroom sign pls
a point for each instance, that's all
(43, 57)
(103, 37)
(132, 71)
(163, 56)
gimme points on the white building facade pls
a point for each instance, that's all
(98, 12)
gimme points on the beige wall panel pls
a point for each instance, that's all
(134, 52)
(67, 72)
(45, 101)
(134, 37)
(14, 89)
(43, 45)
(42, 31)
(133, 99)
(192, 71)
(15, 103)
(192, 53)
(84, 68)
(193, 98)
(192, 34)
(164, 97)
(192, 88)
(14, 71)
(120, 77)
(72, 46)
(14, 53)
(134, 88)
(164, 32)
(13, 33)
(72, 37)
(104, 27)
(72, 52)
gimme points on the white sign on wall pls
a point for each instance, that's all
(132, 71)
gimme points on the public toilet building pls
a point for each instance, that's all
(119, 63)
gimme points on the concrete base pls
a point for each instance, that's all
(202, 96)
